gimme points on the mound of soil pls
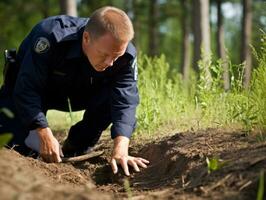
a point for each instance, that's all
(177, 170)
(27, 178)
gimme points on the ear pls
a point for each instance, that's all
(86, 37)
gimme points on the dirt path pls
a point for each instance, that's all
(178, 170)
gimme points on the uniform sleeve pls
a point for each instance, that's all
(125, 99)
(31, 82)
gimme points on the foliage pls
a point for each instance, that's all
(4, 139)
(165, 100)
(260, 193)
(162, 98)
(70, 111)
(127, 188)
(214, 164)
(7, 112)
(18, 17)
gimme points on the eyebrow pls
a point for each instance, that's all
(116, 53)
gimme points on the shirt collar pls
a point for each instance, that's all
(75, 50)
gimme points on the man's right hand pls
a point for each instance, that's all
(49, 147)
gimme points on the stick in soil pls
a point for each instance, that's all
(87, 156)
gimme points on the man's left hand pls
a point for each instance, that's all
(120, 156)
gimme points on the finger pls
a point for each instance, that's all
(134, 165)
(124, 165)
(114, 166)
(53, 157)
(140, 163)
(61, 152)
(144, 160)
(58, 158)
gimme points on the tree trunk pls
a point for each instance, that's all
(128, 7)
(45, 8)
(201, 29)
(153, 27)
(221, 47)
(196, 33)
(246, 41)
(136, 22)
(68, 7)
(185, 56)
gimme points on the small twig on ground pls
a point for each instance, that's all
(245, 185)
(87, 156)
(184, 184)
(209, 146)
(256, 160)
(219, 183)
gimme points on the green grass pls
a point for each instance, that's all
(260, 192)
(165, 101)
(63, 120)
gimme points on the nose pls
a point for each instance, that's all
(109, 61)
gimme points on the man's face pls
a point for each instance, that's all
(102, 52)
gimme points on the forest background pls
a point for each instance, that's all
(201, 63)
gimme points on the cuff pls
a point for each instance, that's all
(122, 129)
(39, 121)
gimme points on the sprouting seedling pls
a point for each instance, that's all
(214, 164)
(127, 188)
(260, 193)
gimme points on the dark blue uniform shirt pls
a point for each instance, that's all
(54, 70)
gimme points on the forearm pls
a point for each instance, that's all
(121, 144)
(44, 133)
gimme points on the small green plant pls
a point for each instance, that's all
(214, 164)
(127, 188)
(261, 137)
(260, 193)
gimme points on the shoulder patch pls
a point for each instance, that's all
(41, 45)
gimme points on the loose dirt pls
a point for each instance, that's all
(177, 170)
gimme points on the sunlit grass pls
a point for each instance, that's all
(61, 120)
(164, 99)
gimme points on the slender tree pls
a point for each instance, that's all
(246, 41)
(201, 29)
(69, 7)
(153, 27)
(44, 8)
(220, 45)
(185, 56)
(136, 22)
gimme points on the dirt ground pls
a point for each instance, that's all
(178, 170)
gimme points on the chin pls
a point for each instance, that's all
(100, 69)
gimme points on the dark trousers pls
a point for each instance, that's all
(12, 125)
(84, 134)
(87, 132)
